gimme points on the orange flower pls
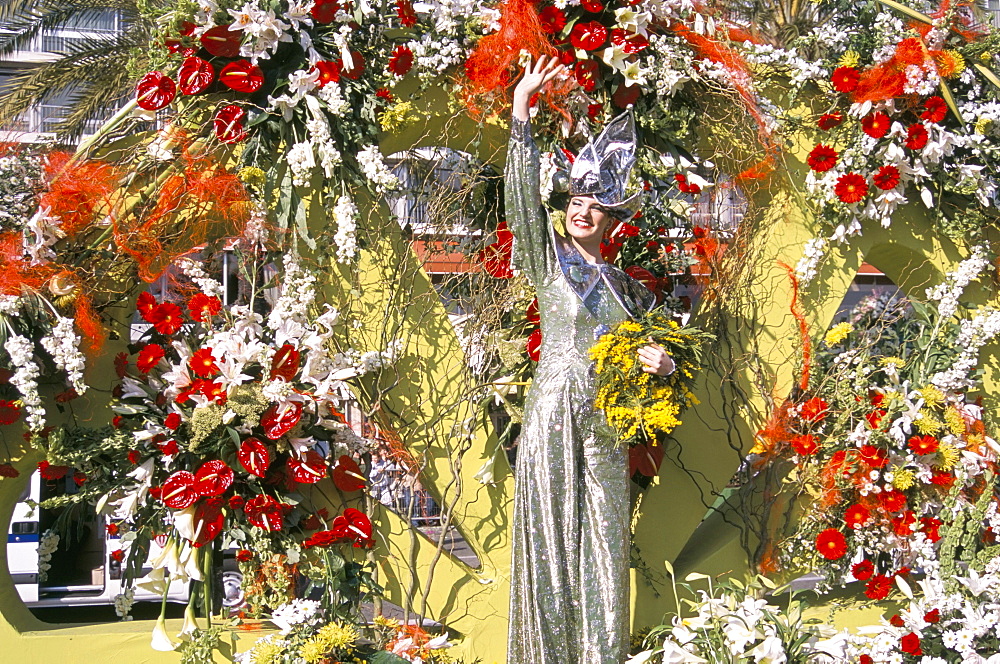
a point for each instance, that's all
(814, 410)
(923, 444)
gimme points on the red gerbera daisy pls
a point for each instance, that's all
(401, 60)
(828, 121)
(202, 307)
(845, 79)
(863, 571)
(887, 177)
(805, 445)
(202, 363)
(916, 136)
(146, 305)
(167, 318)
(850, 188)
(935, 109)
(552, 19)
(923, 444)
(876, 124)
(406, 14)
(892, 500)
(329, 72)
(874, 456)
(831, 544)
(149, 357)
(822, 158)
(878, 587)
(856, 516)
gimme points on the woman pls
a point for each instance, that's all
(569, 579)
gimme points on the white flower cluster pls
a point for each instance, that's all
(194, 271)
(433, 55)
(10, 305)
(788, 61)
(296, 612)
(667, 66)
(123, 604)
(301, 161)
(974, 334)
(923, 81)
(345, 215)
(373, 166)
(812, 254)
(946, 294)
(373, 360)
(63, 343)
(25, 379)
(298, 292)
(264, 29)
(47, 545)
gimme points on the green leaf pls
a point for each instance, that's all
(909, 11)
(987, 74)
(950, 100)
(385, 657)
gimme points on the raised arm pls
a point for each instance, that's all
(533, 253)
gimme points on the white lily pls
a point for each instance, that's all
(190, 623)
(161, 641)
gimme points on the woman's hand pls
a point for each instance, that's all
(655, 360)
(536, 75)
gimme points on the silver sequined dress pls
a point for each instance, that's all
(569, 577)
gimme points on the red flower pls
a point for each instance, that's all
(887, 177)
(179, 491)
(285, 363)
(831, 544)
(534, 345)
(228, 123)
(134, 456)
(202, 363)
(625, 95)
(10, 412)
(552, 19)
(866, 659)
(904, 524)
(531, 313)
(933, 616)
(242, 76)
(892, 500)
(112, 529)
(814, 410)
(325, 11)
(822, 158)
(923, 444)
(254, 457)
(805, 444)
(236, 502)
(168, 448)
(146, 305)
(7, 470)
(244, 555)
(167, 318)
(357, 68)
(863, 570)
(592, 6)
(496, 257)
(942, 478)
(329, 72)
(264, 512)
(202, 307)
(279, 420)
(213, 478)
(850, 188)
(630, 42)
(195, 76)
(936, 109)
(383, 93)
(79, 478)
(828, 121)
(308, 470)
(916, 136)
(845, 79)
(154, 91)
(347, 475)
(121, 364)
(404, 11)
(856, 516)
(354, 524)
(929, 527)
(401, 60)
(118, 555)
(149, 357)
(589, 35)
(874, 456)
(910, 644)
(875, 417)
(321, 539)
(878, 587)
(896, 621)
(586, 73)
(222, 42)
(876, 124)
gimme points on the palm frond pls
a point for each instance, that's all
(22, 27)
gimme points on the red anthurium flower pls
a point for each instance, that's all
(347, 475)
(828, 121)
(406, 14)
(876, 124)
(172, 421)
(264, 512)
(845, 79)
(356, 68)
(592, 6)
(625, 95)
(935, 109)
(146, 305)
(154, 91)
(531, 314)
(167, 318)
(814, 410)
(910, 644)
(850, 188)
(325, 11)
(149, 357)
(308, 470)
(195, 76)
(923, 444)
(236, 502)
(933, 616)
(254, 457)
(644, 277)
(863, 571)
(874, 456)
(202, 363)
(208, 521)
(178, 491)
(242, 76)
(10, 412)
(804, 444)
(878, 587)
(202, 307)
(401, 60)
(222, 42)
(631, 42)
(534, 345)
(589, 35)
(278, 420)
(329, 72)
(213, 478)
(322, 539)
(354, 524)
(228, 124)
(645, 459)
(552, 19)
(892, 500)
(496, 257)
(916, 136)
(822, 158)
(887, 177)
(50, 472)
(856, 516)
(285, 363)
(831, 544)
(587, 73)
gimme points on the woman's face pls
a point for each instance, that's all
(586, 219)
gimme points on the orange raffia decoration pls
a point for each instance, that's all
(772, 439)
(200, 203)
(796, 309)
(79, 192)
